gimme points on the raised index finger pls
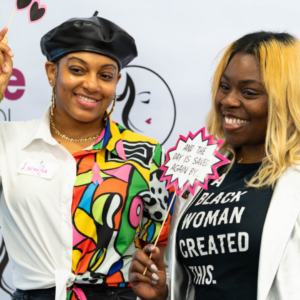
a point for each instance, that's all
(3, 33)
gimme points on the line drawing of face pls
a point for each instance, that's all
(145, 103)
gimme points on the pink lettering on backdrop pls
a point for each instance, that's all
(18, 81)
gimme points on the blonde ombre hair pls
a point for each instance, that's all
(278, 55)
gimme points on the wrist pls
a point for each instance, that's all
(164, 294)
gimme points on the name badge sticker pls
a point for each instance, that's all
(38, 168)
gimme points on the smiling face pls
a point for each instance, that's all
(85, 85)
(242, 102)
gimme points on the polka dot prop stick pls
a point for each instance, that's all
(191, 163)
(162, 226)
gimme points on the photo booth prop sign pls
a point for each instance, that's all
(36, 10)
(193, 161)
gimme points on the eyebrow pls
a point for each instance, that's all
(109, 65)
(81, 60)
(144, 93)
(247, 81)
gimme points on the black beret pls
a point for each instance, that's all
(93, 34)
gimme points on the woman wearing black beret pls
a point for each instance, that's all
(240, 239)
(80, 192)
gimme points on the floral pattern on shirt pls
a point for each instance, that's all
(118, 201)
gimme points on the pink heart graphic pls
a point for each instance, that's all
(148, 121)
(36, 12)
(22, 4)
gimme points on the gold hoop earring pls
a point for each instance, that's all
(112, 109)
(53, 105)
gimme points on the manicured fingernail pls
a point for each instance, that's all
(154, 282)
(10, 53)
(151, 248)
(5, 69)
(155, 277)
(154, 268)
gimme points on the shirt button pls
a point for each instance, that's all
(67, 219)
(67, 254)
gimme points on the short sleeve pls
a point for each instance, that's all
(156, 203)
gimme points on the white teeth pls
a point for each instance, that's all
(234, 121)
(86, 99)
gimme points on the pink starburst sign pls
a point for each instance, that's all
(192, 162)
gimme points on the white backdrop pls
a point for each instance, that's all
(178, 42)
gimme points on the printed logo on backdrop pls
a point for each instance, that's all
(145, 103)
(15, 91)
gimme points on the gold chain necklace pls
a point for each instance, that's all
(56, 131)
(241, 159)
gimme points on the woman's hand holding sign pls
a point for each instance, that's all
(6, 63)
(153, 285)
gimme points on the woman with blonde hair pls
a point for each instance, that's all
(240, 239)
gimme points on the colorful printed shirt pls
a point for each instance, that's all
(118, 201)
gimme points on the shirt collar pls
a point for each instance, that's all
(110, 137)
(41, 130)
